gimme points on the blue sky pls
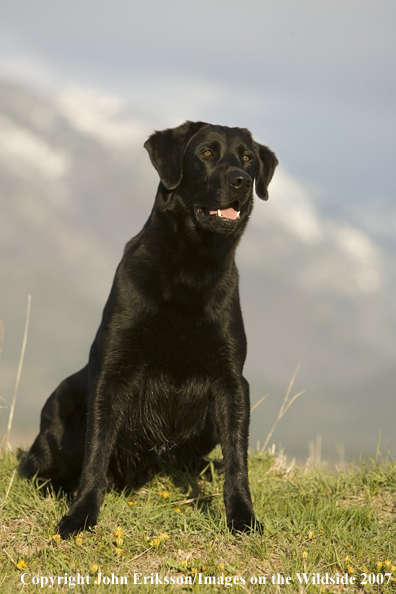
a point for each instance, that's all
(314, 80)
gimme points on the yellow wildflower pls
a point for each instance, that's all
(22, 564)
(305, 554)
(195, 570)
(220, 567)
(311, 534)
(388, 563)
(118, 532)
(132, 502)
(57, 538)
(163, 536)
(79, 540)
(350, 569)
(178, 510)
(379, 565)
(164, 494)
(347, 558)
(94, 568)
(155, 542)
(118, 551)
(393, 568)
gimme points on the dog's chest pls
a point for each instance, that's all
(182, 358)
(184, 346)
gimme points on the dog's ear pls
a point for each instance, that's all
(267, 163)
(166, 150)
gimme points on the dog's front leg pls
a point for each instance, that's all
(104, 419)
(232, 415)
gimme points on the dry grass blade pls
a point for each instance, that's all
(1, 335)
(258, 402)
(11, 416)
(191, 500)
(140, 554)
(1, 348)
(9, 556)
(10, 485)
(284, 408)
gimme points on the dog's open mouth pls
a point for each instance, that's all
(231, 212)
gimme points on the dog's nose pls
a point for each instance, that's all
(240, 180)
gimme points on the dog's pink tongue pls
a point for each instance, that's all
(227, 213)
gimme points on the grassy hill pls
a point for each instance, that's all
(337, 529)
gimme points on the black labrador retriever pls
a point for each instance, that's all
(164, 384)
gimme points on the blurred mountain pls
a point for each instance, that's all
(318, 273)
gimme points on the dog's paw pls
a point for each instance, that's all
(250, 524)
(72, 525)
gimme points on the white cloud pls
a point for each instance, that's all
(19, 146)
(293, 206)
(100, 115)
(353, 260)
(362, 253)
(27, 69)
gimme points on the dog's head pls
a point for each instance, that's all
(210, 170)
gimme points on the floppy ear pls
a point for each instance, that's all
(267, 163)
(166, 150)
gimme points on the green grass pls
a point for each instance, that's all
(315, 521)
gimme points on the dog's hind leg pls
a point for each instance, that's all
(108, 406)
(57, 452)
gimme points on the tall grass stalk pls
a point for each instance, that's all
(18, 377)
(258, 402)
(1, 335)
(284, 408)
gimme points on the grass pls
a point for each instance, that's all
(174, 529)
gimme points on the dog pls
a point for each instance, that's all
(164, 383)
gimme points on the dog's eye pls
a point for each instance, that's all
(207, 153)
(246, 158)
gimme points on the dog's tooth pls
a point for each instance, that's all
(219, 213)
(238, 214)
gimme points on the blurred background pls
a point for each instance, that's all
(83, 84)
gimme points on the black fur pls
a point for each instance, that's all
(164, 384)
